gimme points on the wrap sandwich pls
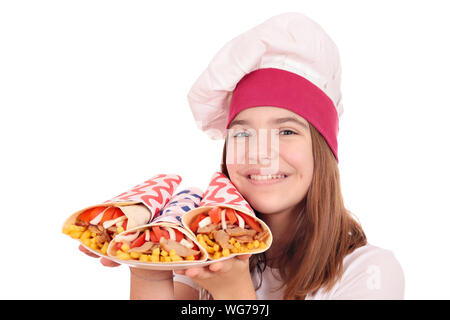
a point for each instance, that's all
(164, 240)
(225, 224)
(97, 225)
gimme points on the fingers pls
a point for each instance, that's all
(244, 256)
(86, 251)
(103, 261)
(215, 267)
(193, 272)
(109, 263)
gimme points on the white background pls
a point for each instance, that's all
(93, 102)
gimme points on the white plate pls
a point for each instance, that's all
(160, 265)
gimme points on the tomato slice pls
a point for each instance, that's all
(118, 245)
(153, 237)
(139, 241)
(91, 213)
(251, 222)
(214, 214)
(197, 256)
(108, 214)
(117, 213)
(160, 233)
(197, 219)
(179, 235)
(231, 215)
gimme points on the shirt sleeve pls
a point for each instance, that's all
(371, 274)
(186, 280)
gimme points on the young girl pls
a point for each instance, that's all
(279, 84)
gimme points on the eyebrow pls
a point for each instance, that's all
(273, 121)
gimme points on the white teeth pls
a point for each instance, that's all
(278, 176)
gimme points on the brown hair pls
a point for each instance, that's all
(325, 231)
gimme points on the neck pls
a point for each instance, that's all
(281, 225)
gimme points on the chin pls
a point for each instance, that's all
(265, 203)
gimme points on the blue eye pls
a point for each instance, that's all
(287, 130)
(237, 135)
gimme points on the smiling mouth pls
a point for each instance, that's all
(269, 177)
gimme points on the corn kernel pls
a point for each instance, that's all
(172, 253)
(164, 253)
(135, 255)
(256, 244)
(120, 229)
(156, 252)
(209, 241)
(176, 258)
(203, 243)
(125, 247)
(104, 248)
(144, 258)
(93, 246)
(154, 258)
(122, 255)
(75, 234)
(76, 228)
(217, 255)
(243, 249)
(262, 245)
(250, 245)
(86, 242)
(199, 237)
(235, 250)
(85, 235)
(66, 230)
(226, 252)
(166, 259)
(216, 247)
(232, 241)
(190, 258)
(237, 244)
(210, 249)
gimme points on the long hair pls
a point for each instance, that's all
(325, 231)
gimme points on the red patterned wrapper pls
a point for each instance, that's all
(154, 193)
(221, 191)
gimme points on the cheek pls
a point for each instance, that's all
(300, 159)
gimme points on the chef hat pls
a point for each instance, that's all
(288, 61)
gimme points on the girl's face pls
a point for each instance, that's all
(270, 140)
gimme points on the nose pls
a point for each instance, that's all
(266, 152)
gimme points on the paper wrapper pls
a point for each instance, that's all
(140, 204)
(222, 193)
(184, 201)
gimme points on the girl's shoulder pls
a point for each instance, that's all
(369, 272)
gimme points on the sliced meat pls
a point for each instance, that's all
(102, 238)
(238, 231)
(94, 229)
(81, 223)
(147, 247)
(222, 239)
(209, 228)
(262, 236)
(182, 251)
(112, 229)
(244, 238)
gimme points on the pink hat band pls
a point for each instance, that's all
(280, 88)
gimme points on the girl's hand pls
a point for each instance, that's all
(229, 279)
(103, 261)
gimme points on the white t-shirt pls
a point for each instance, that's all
(369, 272)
